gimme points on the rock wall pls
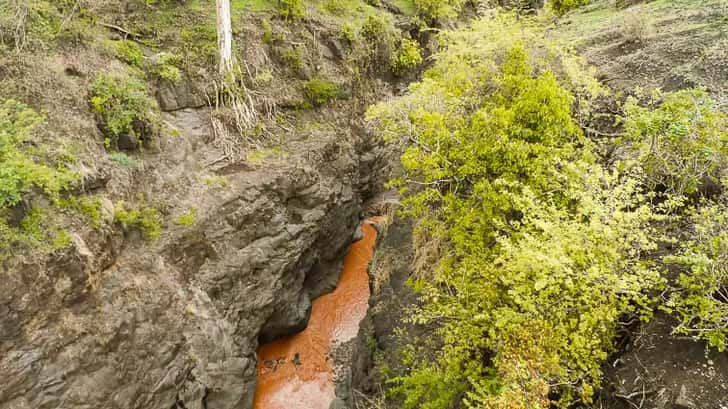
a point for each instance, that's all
(115, 321)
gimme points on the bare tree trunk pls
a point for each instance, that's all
(230, 89)
(225, 36)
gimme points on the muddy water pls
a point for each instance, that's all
(295, 372)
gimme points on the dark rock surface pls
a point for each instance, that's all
(358, 381)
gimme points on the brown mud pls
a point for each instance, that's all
(296, 372)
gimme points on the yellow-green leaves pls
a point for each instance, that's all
(24, 165)
(682, 144)
(700, 298)
(535, 257)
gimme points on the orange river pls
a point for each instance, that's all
(295, 372)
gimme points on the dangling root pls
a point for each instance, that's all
(232, 105)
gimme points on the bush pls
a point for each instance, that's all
(431, 10)
(123, 159)
(562, 6)
(146, 219)
(407, 57)
(321, 91)
(291, 9)
(536, 242)
(166, 67)
(293, 58)
(700, 299)
(337, 7)
(347, 32)
(681, 144)
(122, 105)
(129, 52)
(25, 164)
(377, 37)
(188, 218)
(89, 207)
(636, 26)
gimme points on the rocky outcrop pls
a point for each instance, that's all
(359, 363)
(114, 321)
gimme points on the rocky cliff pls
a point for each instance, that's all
(253, 227)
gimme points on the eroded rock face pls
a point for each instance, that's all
(119, 322)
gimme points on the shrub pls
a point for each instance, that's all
(129, 52)
(291, 9)
(337, 7)
(378, 36)
(636, 26)
(199, 44)
(536, 243)
(700, 298)
(681, 144)
(188, 218)
(166, 67)
(25, 164)
(432, 10)
(268, 36)
(293, 58)
(320, 91)
(90, 207)
(347, 32)
(407, 57)
(123, 159)
(562, 6)
(146, 219)
(122, 105)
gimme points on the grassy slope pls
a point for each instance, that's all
(670, 44)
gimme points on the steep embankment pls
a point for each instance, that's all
(184, 236)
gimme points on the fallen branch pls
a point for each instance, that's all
(122, 30)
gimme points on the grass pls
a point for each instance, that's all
(668, 44)
(255, 6)
(593, 20)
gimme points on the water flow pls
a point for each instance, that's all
(296, 372)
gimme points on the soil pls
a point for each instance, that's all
(662, 371)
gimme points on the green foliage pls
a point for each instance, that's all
(199, 43)
(188, 218)
(122, 159)
(166, 67)
(146, 219)
(347, 32)
(129, 52)
(375, 27)
(700, 299)
(23, 161)
(407, 57)
(269, 37)
(374, 42)
(37, 24)
(320, 91)
(122, 104)
(336, 7)
(432, 10)
(562, 6)
(537, 247)
(291, 9)
(682, 144)
(293, 58)
(90, 207)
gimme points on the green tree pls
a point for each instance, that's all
(539, 247)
